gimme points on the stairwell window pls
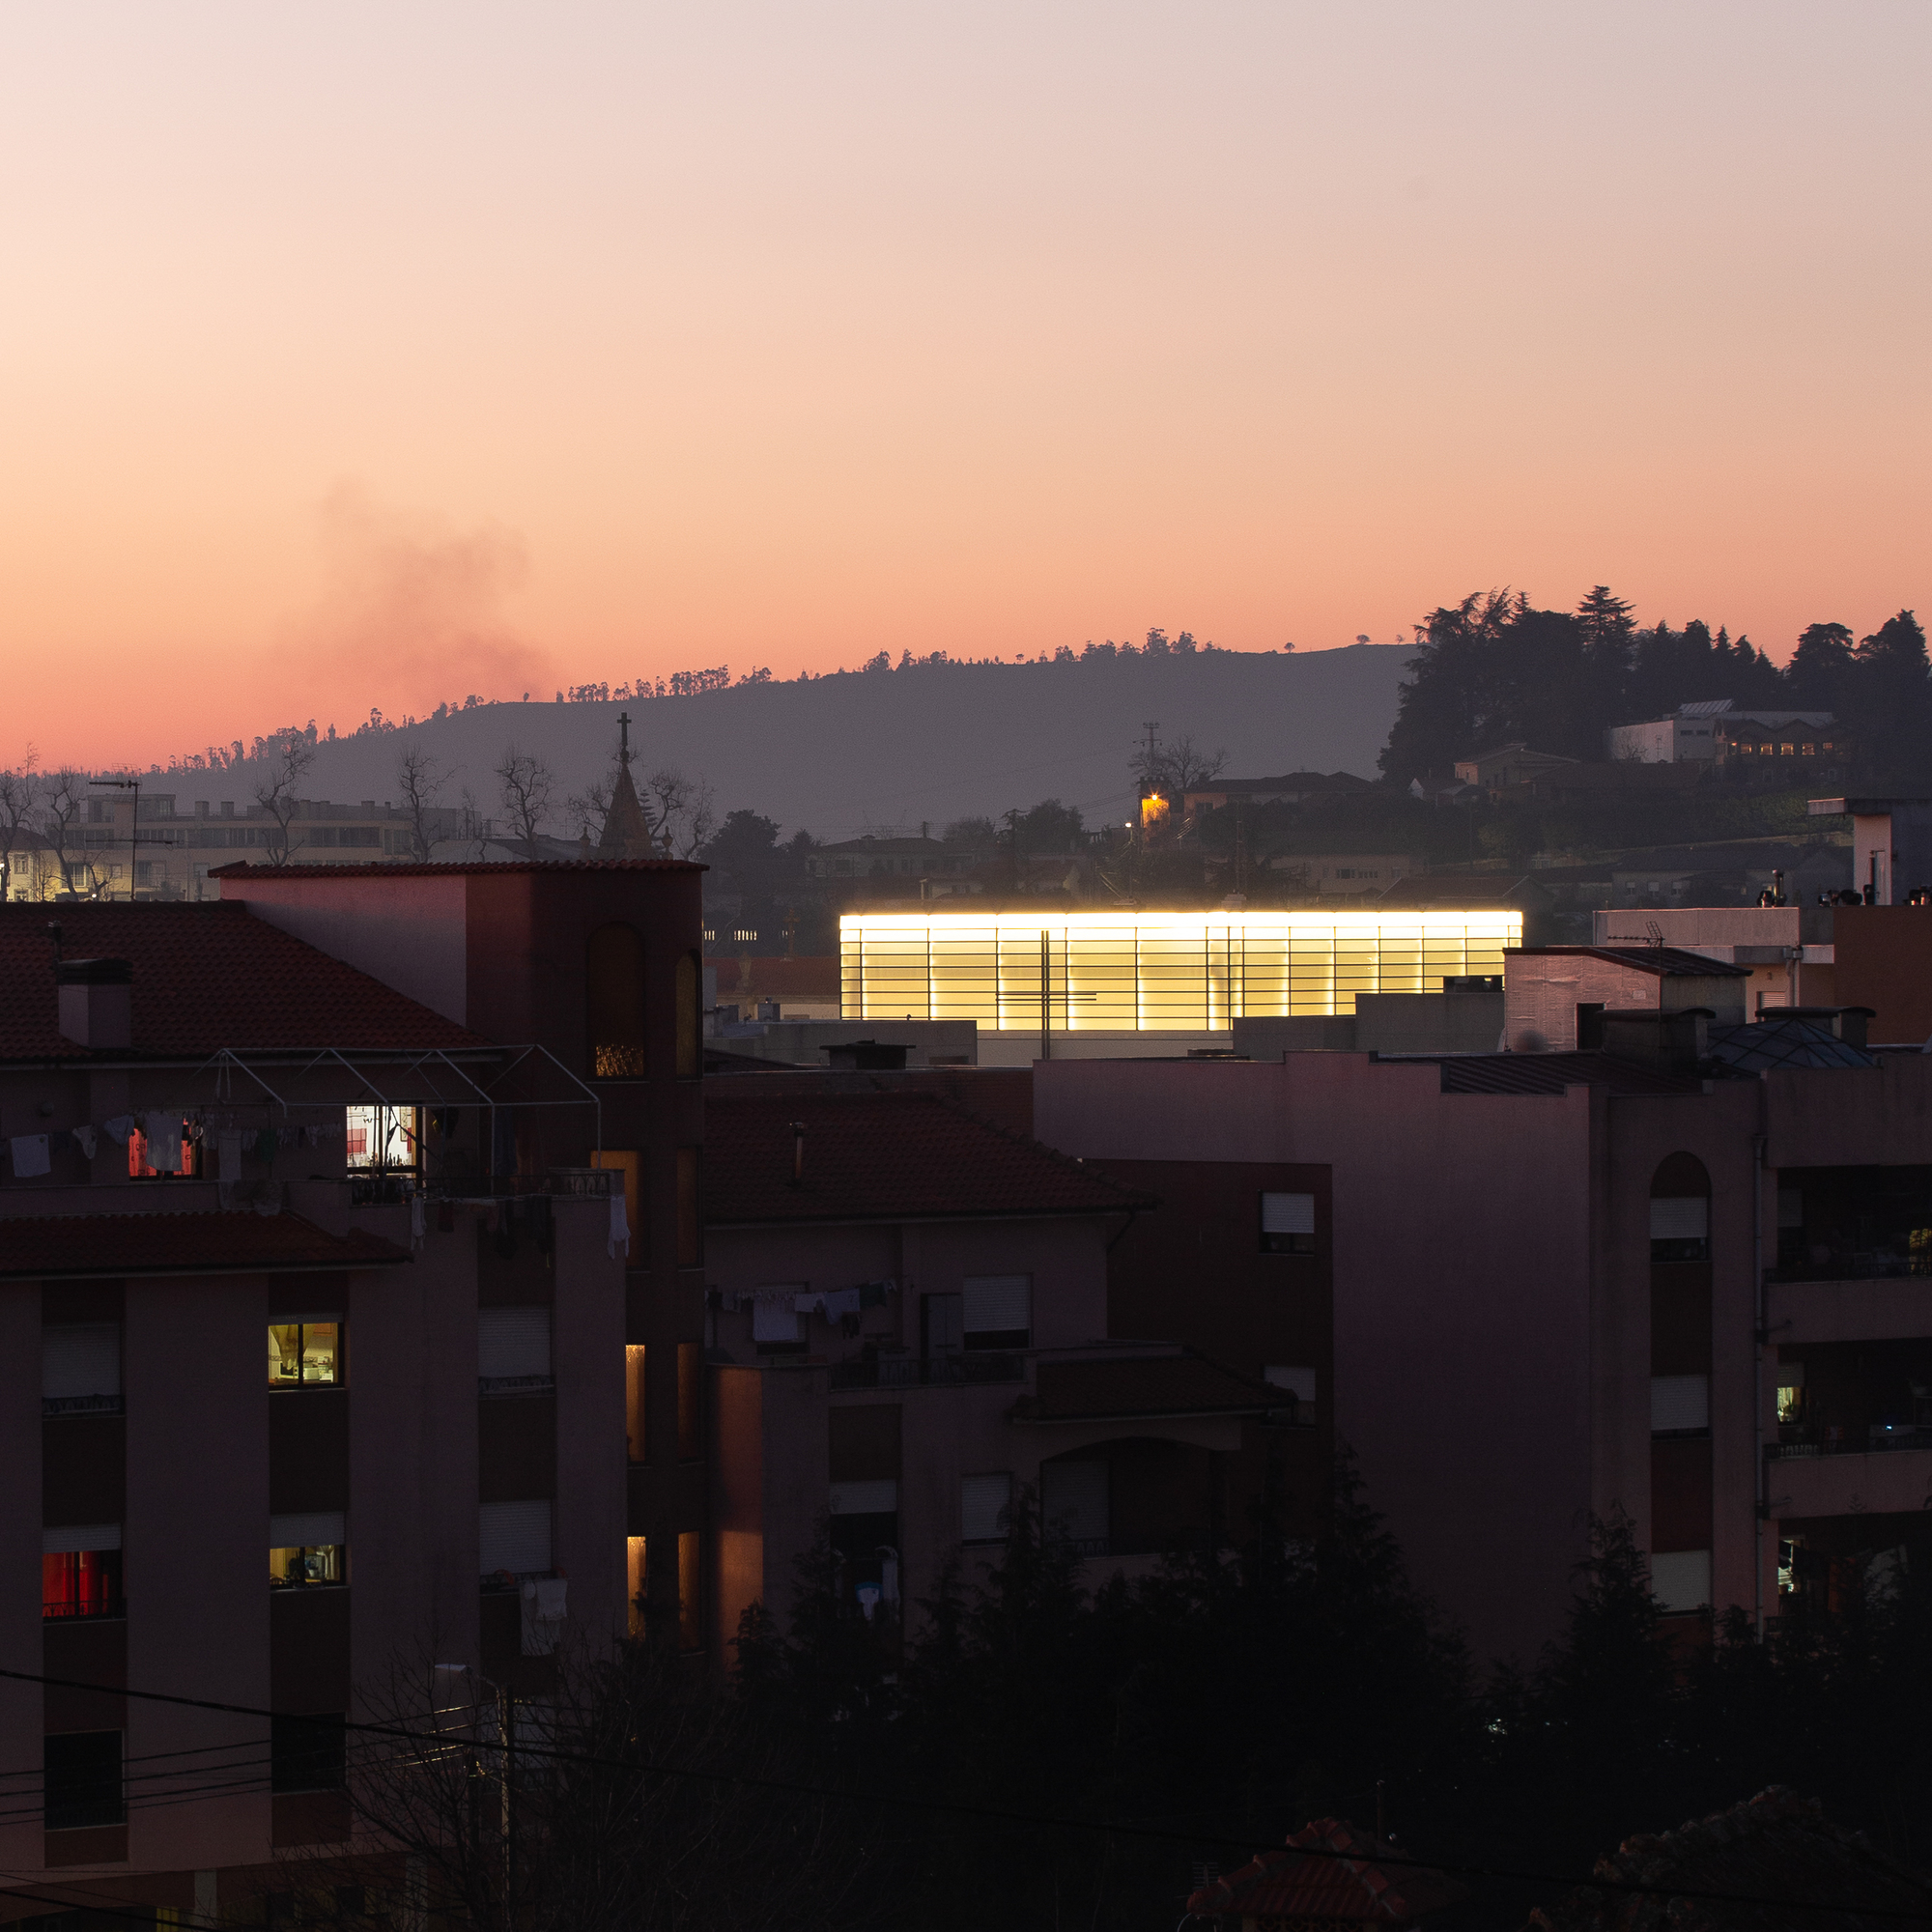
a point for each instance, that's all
(80, 1570)
(305, 1352)
(616, 1002)
(308, 1552)
(1288, 1224)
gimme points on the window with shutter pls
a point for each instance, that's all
(997, 1311)
(985, 1507)
(308, 1550)
(80, 1368)
(1679, 1404)
(1680, 1228)
(1680, 1580)
(1288, 1224)
(1298, 1383)
(514, 1537)
(512, 1350)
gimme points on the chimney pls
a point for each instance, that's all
(96, 998)
(798, 1154)
(228, 807)
(201, 807)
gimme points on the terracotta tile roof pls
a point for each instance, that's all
(890, 1156)
(46, 1246)
(1328, 1871)
(1143, 1386)
(1776, 1850)
(388, 870)
(205, 975)
(1546, 1073)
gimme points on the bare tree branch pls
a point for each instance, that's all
(421, 780)
(528, 785)
(19, 791)
(1177, 767)
(283, 766)
(62, 794)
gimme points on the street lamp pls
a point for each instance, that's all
(135, 831)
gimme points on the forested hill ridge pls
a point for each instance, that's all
(1495, 670)
(891, 744)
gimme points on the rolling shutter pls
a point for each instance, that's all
(880, 1498)
(1679, 1403)
(1684, 1218)
(514, 1537)
(321, 1529)
(1288, 1214)
(998, 1304)
(73, 1536)
(512, 1342)
(1680, 1580)
(84, 1359)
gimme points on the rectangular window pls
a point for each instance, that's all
(635, 1410)
(690, 1401)
(512, 1350)
(307, 1552)
(80, 1570)
(1791, 1391)
(308, 1753)
(80, 1369)
(81, 1780)
(997, 1311)
(1679, 1404)
(386, 1139)
(690, 1231)
(985, 1507)
(637, 1579)
(1680, 1228)
(690, 1592)
(305, 1352)
(514, 1539)
(1288, 1224)
(1680, 1580)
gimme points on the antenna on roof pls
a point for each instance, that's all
(1656, 931)
(54, 933)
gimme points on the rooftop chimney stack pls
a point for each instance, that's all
(95, 1000)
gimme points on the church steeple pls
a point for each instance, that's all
(627, 832)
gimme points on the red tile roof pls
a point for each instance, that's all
(390, 869)
(892, 1157)
(46, 1246)
(1328, 1871)
(205, 975)
(1788, 1869)
(1143, 1387)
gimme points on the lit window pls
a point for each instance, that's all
(1787, 750)
(80, 1570)
(381, 1137)
(307, 1552)
(616, 1003)
(305, 1354)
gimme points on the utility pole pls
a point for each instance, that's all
(134, 829)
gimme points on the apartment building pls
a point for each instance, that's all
(909, 1328)
(329, 1285)
(1674, 1275)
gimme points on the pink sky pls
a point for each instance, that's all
(371, 355)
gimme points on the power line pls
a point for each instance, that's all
(993, 1813)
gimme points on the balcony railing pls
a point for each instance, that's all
(930, 1372)
(1843, 1442)
(1857, 1268)
(388, 1189)
(81, 1404)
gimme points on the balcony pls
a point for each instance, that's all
(1847, 1480)
(81, 1404)
(389, 1188)
(1847, 1307)
(960, 1370)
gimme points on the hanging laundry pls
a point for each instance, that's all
(773, 1319)
(30, 1155)
(621, 1228)
(266, 1143)
(228, 1157)
(872, 1293)
(86, 1140)
(415, 1221)
(163, 1134)
(119, 1129)
(842, 1301)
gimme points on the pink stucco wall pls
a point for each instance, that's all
(408, 931)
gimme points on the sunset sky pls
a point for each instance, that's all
(372, 355)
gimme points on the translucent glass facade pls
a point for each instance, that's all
(1153, 971)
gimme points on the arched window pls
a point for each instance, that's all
(1680, 1210)
(616, 1003)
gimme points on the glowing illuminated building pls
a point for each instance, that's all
(1183, 972)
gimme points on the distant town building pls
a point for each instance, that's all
(1348, 875)
(1715, 732)
(1291, 788)
(903, 857)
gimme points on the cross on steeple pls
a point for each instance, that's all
(624, 737)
